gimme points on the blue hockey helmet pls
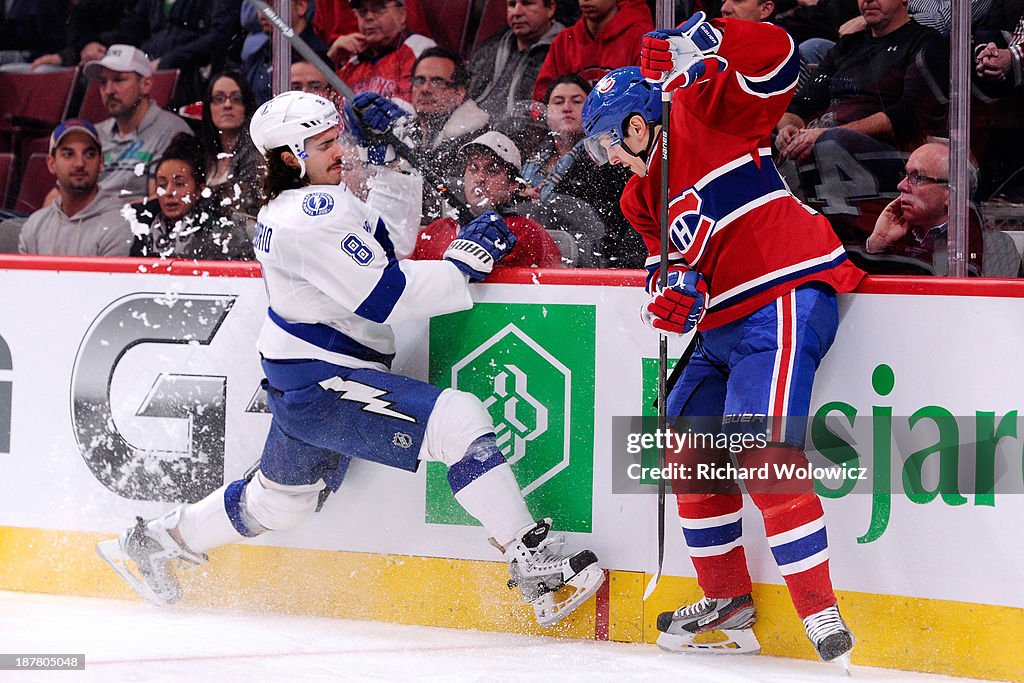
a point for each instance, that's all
(613, 100)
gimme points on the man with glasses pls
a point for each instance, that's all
(446, 118)
(911, 234)
(383, 50)
(307, 78)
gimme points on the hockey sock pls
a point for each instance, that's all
(206, 524)
(484, 485)
(794, 523)
(713, 528)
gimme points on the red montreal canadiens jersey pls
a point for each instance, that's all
(731, 216)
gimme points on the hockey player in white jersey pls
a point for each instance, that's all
(336, 286)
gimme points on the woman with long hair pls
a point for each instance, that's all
(234, 169)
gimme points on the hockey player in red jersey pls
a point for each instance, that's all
(756, 272)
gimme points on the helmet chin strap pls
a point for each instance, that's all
(644, 154)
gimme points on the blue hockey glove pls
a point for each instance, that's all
(679, 307)
(481, 243)
(680, 57)
(369, 117)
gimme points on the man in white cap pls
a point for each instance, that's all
(491, 183)
(82, 220)
(138, 130)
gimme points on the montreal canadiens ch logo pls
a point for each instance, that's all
(605, 84)
(317, 203)
(690, 229)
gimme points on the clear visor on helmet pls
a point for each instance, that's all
(597, 146)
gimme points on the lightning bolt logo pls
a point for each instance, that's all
(365, 394)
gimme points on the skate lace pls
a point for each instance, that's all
(823, 624)
(548, 552)
(703, 605)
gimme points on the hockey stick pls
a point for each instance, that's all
(666, 105)
(401, 149)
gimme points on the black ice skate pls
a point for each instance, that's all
(830, 636)
(539, 570)
(712, 625)
(144, 554)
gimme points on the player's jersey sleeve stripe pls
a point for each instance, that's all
(377, 306)
(778, 80)
(383, 238)
(330, 339)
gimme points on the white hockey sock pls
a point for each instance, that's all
(205, 524)
(495, 500)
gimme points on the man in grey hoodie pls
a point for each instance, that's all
(503, 69)
(82, 220)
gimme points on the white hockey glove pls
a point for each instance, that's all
(481, 243)
(680, 57)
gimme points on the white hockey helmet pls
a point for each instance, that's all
(288, 120)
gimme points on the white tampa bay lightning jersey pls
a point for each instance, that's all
(334, 282)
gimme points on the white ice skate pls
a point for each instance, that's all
(711, 625)
(539, 570)
(143, 556)
(830, 636)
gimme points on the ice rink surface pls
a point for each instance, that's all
(131, 641)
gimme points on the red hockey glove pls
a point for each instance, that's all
(679, 307)
(680, 57)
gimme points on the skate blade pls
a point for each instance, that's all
(113, 555)
(726, 641)
(550, 611)
(843, 662)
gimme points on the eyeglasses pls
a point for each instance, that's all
(376, 11)
(435, 81)
(915, 179)
(315, 87)
(220, 98)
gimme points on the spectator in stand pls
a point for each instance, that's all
(911, 234)
(504, 69)
(138, 130)
(561, 169)
(188, 35)
(875, 83)
(307, 78)
(332, 20)
(1000, 52)
(233, 167)
(335, 18)
(83, 220)
(748, 10)
(999, 75)
(606, 37)
(87, 20)
(445, 118)
(180, 222)
(30, 28)
(256, 64)
(938, 14)
(491, 180)
(383, 51)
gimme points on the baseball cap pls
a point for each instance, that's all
(501, 145)
(120, 58)
(73, 126)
